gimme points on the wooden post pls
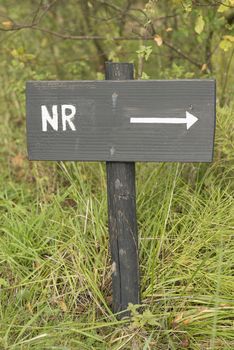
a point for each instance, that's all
(122, 217)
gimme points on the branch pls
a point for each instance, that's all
(34, 19)
(18, 27)
(47, 8)
(182, 54)
(215, 4)
(102, 37)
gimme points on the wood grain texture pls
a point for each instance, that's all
(103, 128)
(121, 194)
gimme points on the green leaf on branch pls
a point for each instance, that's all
(144, 52)
(144, 76)
(227, 42)
(199, 25)
(225, 6)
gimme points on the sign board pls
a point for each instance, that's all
(133, 120)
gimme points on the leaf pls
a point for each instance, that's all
(222, 8)
(158, 40)
(169, 29)
(225, 6)
(204, 67)
(7, 24)
(144, 52)
(200, 24)
(144, 76)
(227, 42)
(229, 37)
(148, 52)
(187, 7)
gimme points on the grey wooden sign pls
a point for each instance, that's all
(133, 120)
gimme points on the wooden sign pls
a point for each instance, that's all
(133, 120)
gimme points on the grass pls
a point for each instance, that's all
(55, 269)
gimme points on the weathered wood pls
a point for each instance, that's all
(103, 120)
(122, 218)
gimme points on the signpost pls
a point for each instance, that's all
(121, 121)
(121, 194)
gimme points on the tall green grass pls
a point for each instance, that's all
(55, 268)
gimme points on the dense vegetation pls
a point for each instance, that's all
(55, 270)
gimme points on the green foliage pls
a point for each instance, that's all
(55, 268)
(200, 24)
(144, 52)
(227, 42)
(141, 319)
(176, 72)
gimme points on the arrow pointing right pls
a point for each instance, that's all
(189, 120)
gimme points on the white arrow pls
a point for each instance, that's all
(189, 120)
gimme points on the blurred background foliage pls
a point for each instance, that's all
(55, 269)
(72, 40)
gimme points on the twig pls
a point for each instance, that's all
(34, 19)
(217, 3)
(182, 54)
(101, 37)
(47, 8)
